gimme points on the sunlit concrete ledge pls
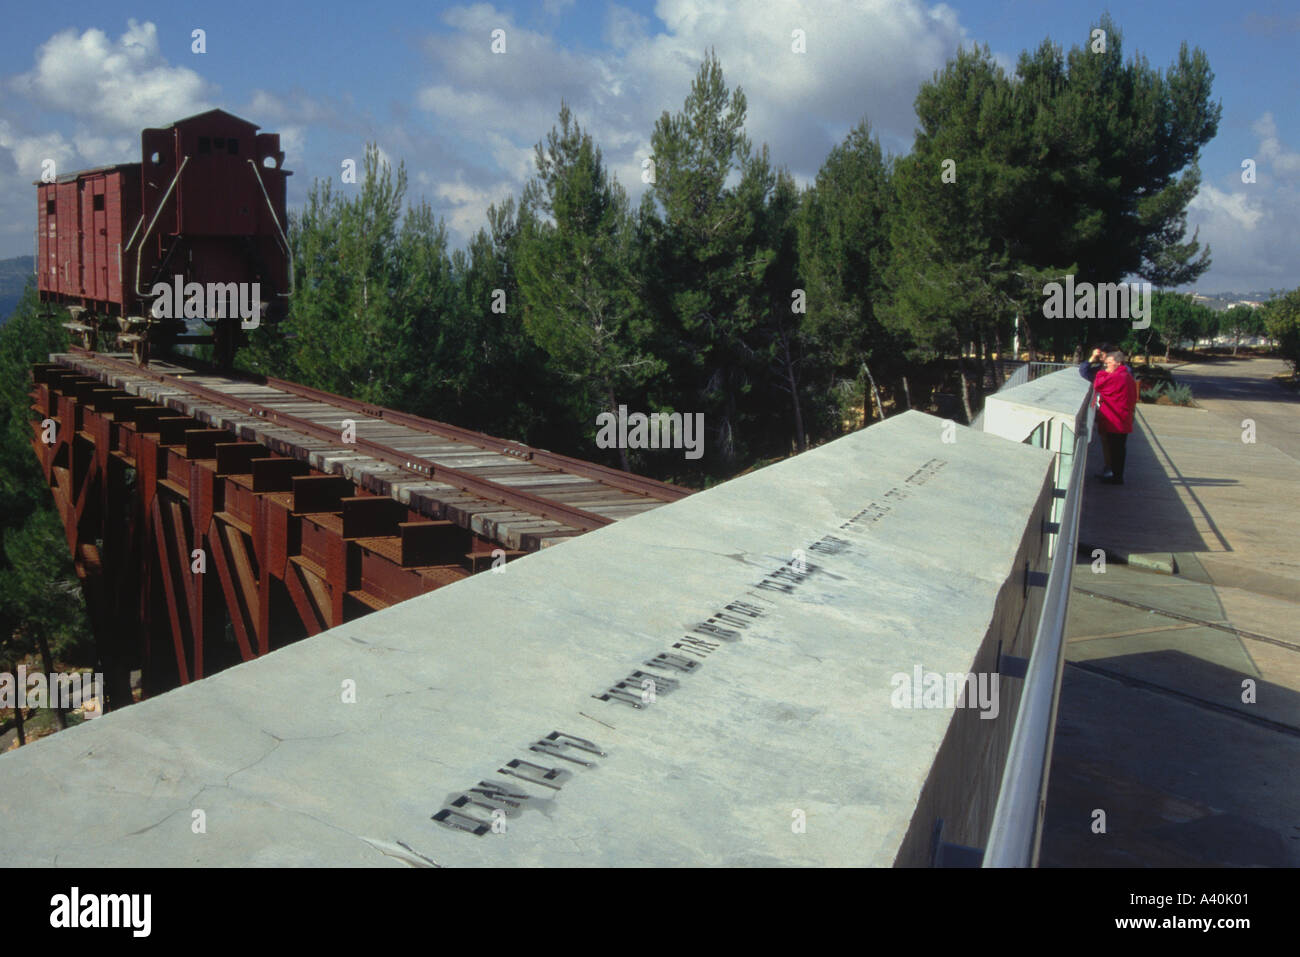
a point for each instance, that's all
(769, 736)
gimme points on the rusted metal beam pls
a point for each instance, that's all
(371, 516)
(431, 543)
(141, 483)
(276, 474)
(165, 544)
(237, 583)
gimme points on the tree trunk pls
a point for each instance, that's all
(965, 394)
(800, 440)
(1029, 338)
(18, 711)
(43, 644)
(988, 373)
(613, 408)
(880, 408)
(730, 444)
(907, 393)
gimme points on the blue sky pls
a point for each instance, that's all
(420, 79)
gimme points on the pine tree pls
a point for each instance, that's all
(575, 276)
(704, 245)
(843, 247)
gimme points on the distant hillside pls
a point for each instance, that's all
(14, 274)
(1220, 301)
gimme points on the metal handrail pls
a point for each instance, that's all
(1016, 832)
(153, 222)
(284, 240)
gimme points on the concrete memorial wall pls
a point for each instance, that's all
(1057, 399)
(763, 673)
(1049, 412)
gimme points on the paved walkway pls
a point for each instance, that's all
(1153, 729)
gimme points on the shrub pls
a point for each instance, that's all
(1149, 392)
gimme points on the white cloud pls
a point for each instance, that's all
(105, 91)
(1271, 150)
(120, 85)
(293, 141)
(28, 153)
(864, 58)
(1228, 211)
(272, 111)
(1251, 226)
(463, 204)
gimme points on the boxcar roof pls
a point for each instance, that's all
(73, 177)
(210, 114)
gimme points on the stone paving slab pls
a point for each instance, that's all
(1152, 726)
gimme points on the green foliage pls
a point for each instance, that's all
(39, 595)
(1177, 316)
(705, 237)
(501, 382)
(375, 295)
(1282, 321)
(1117, 144)
(1080, 163)
(843, 249)
(25, 339)
(576, 274)
(952, 269)
(1240, 322)
(1152, 389)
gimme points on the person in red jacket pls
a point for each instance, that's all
(1117, 396)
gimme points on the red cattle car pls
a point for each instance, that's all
(196, 231)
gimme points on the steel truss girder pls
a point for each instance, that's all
(286, 551)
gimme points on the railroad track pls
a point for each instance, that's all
(505, 489)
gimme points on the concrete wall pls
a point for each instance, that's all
(1058, 398)
(1048, 412)
(775, 613)
(962, 789)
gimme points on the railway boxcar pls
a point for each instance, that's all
(205, 206)
(82, 222)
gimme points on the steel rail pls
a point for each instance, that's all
(651, 488)
(154, 222)
(1016, 832)
(482, 488)
(284, 240)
